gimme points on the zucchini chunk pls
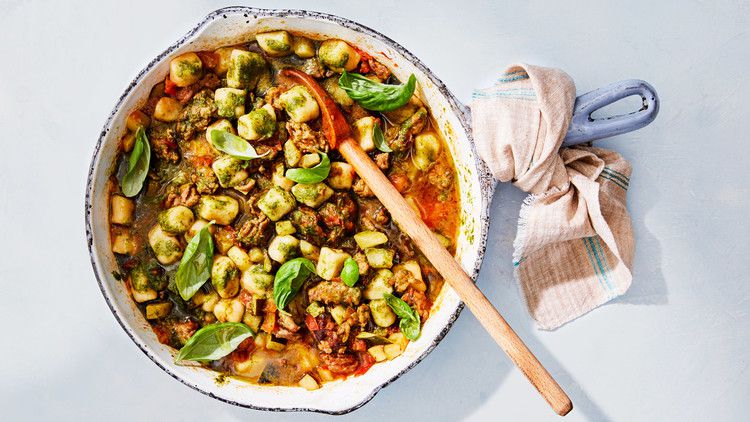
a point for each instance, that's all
(379, 257)
(185, 69)
(370, 238)
(338, 56)
(299, 104)
(220, 208)
(275, 44)
(315, 309)
(276, 203)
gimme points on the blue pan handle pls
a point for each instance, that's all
(583, 128)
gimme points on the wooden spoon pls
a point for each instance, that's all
(339, 136)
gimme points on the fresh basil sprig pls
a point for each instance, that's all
(410, 322)
(214, 341)
(289, 279)
(233, 145)
(195, 266)
(350, 272)
(312, 175)
(379, 139)
(140, 159)
(374, 95)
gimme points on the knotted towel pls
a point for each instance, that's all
(574, 246)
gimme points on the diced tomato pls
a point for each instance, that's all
(365, 362)
(364, 67)
(245, 297)
(170, 87)
(161, 334)
(364, 55)
(311, 322)
(209, 59)
(359, 345)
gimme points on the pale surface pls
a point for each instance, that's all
(676, 347)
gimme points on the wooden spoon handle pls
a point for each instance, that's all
(452, 272)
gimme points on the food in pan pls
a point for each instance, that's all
(250, 245)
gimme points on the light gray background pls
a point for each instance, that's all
(675, 347)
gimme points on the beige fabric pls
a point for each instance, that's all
(574, 247)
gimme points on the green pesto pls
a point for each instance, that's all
(139, 279)
(223, 272)
(225, 168)
(188, 68)
(329, 57)
(167, 247)
(315, 309)
(278, 46)
(245, 69)
(262, 122)
(228, 100)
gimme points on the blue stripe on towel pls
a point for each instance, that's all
(611, 170)
(595, 264)
(603, 268)
(597, 242)
(617, 182)
(625, 181)
(513, 95)
(504, 80)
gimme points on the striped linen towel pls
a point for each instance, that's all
(574, 246)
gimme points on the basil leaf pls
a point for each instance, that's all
(233, 145)
(289, 279)
(379, 139)
(410, 321)
(214, 341)
(312, 175)
(138, 164)
(350, 272)
(374, 95)
(373, 338)
(195, 265)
